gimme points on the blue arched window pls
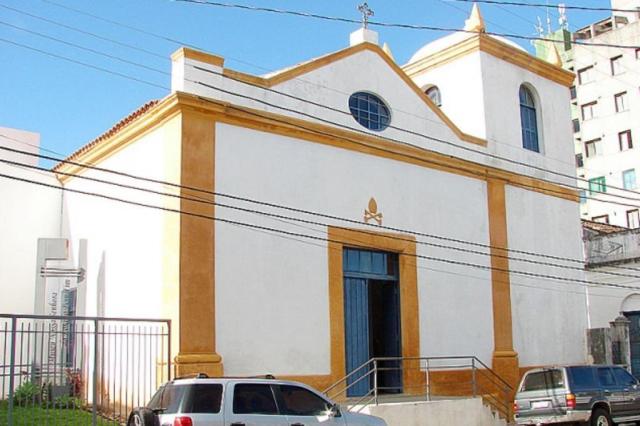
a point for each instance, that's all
(529, 120)
(370, 111)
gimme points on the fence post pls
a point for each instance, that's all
(94, 409)
(428, 381)
(474, 385)
(169, 350)
(375, 381)
(12, 365)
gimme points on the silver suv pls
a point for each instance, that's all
(204, 401)
(602, 395)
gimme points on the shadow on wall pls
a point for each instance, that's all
(100, 285)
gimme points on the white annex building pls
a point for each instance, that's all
(347, 207)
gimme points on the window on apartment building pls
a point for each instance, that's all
(633, 218)
(573, 92)
(601, 219)
(592, 147)
(576, 125)
(621, 101)
(624, 139)
(583, 196)
(616, 65)
(528, 120)
(579, 160)
(637, 53)
(589, 110)
(629, 179)
(585, 75)
(598, 184)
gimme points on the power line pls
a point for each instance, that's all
(297, 112)
(277, 106)
(78, 30)
(316, 238)
(449, 143)
(594, 51)
(279, 206)
(88, 49)
(549, 6)
(305, 221)
(84, 64)
(393, 25)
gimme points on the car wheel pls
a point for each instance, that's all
(143, 417)
(601, 417)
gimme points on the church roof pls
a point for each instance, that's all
(446, 42)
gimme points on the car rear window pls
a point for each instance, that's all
(623, 377)
(170, 398)
(540, 380)
(583, 378)
(203, 398)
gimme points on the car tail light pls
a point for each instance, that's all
(515, 407)
(182, 421)
(571, 401)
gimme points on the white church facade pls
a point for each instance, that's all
(303, 222)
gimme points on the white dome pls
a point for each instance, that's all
(451, 40)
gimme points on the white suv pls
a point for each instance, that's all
(204, 401)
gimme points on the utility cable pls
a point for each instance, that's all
(449, 143)
(279, 206)
(78, 30)
(549, 6)
(634, 206)
(88, 49)
(392, 25)
(316, 238)
(84, 64)
(305, 221)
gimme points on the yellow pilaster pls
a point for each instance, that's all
(505, 358)
(197, 324)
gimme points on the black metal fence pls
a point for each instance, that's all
(79, 370)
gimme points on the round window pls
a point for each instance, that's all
(370, 111)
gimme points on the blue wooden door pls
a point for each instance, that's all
(356, 324)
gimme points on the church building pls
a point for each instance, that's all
(303, 222)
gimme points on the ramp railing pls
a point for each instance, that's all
(396, 379)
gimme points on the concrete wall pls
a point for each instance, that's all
(468, 412)
(29, 212)
(480, 93)
(281, 282)
(612, 261)
(501, 82)
(546, 310)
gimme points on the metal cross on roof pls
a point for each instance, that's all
(366, 13)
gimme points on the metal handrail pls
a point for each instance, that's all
(348, 376)
(499, 402)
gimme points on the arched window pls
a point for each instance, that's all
(434, 93)
(529, 120)
(370, 111)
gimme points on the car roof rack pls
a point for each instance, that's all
(263, 376)
(193, 376)
(205, 376)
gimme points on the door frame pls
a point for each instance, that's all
(405, 247)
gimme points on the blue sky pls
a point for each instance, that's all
(69, 104)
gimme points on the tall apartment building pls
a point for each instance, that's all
(605, 111)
